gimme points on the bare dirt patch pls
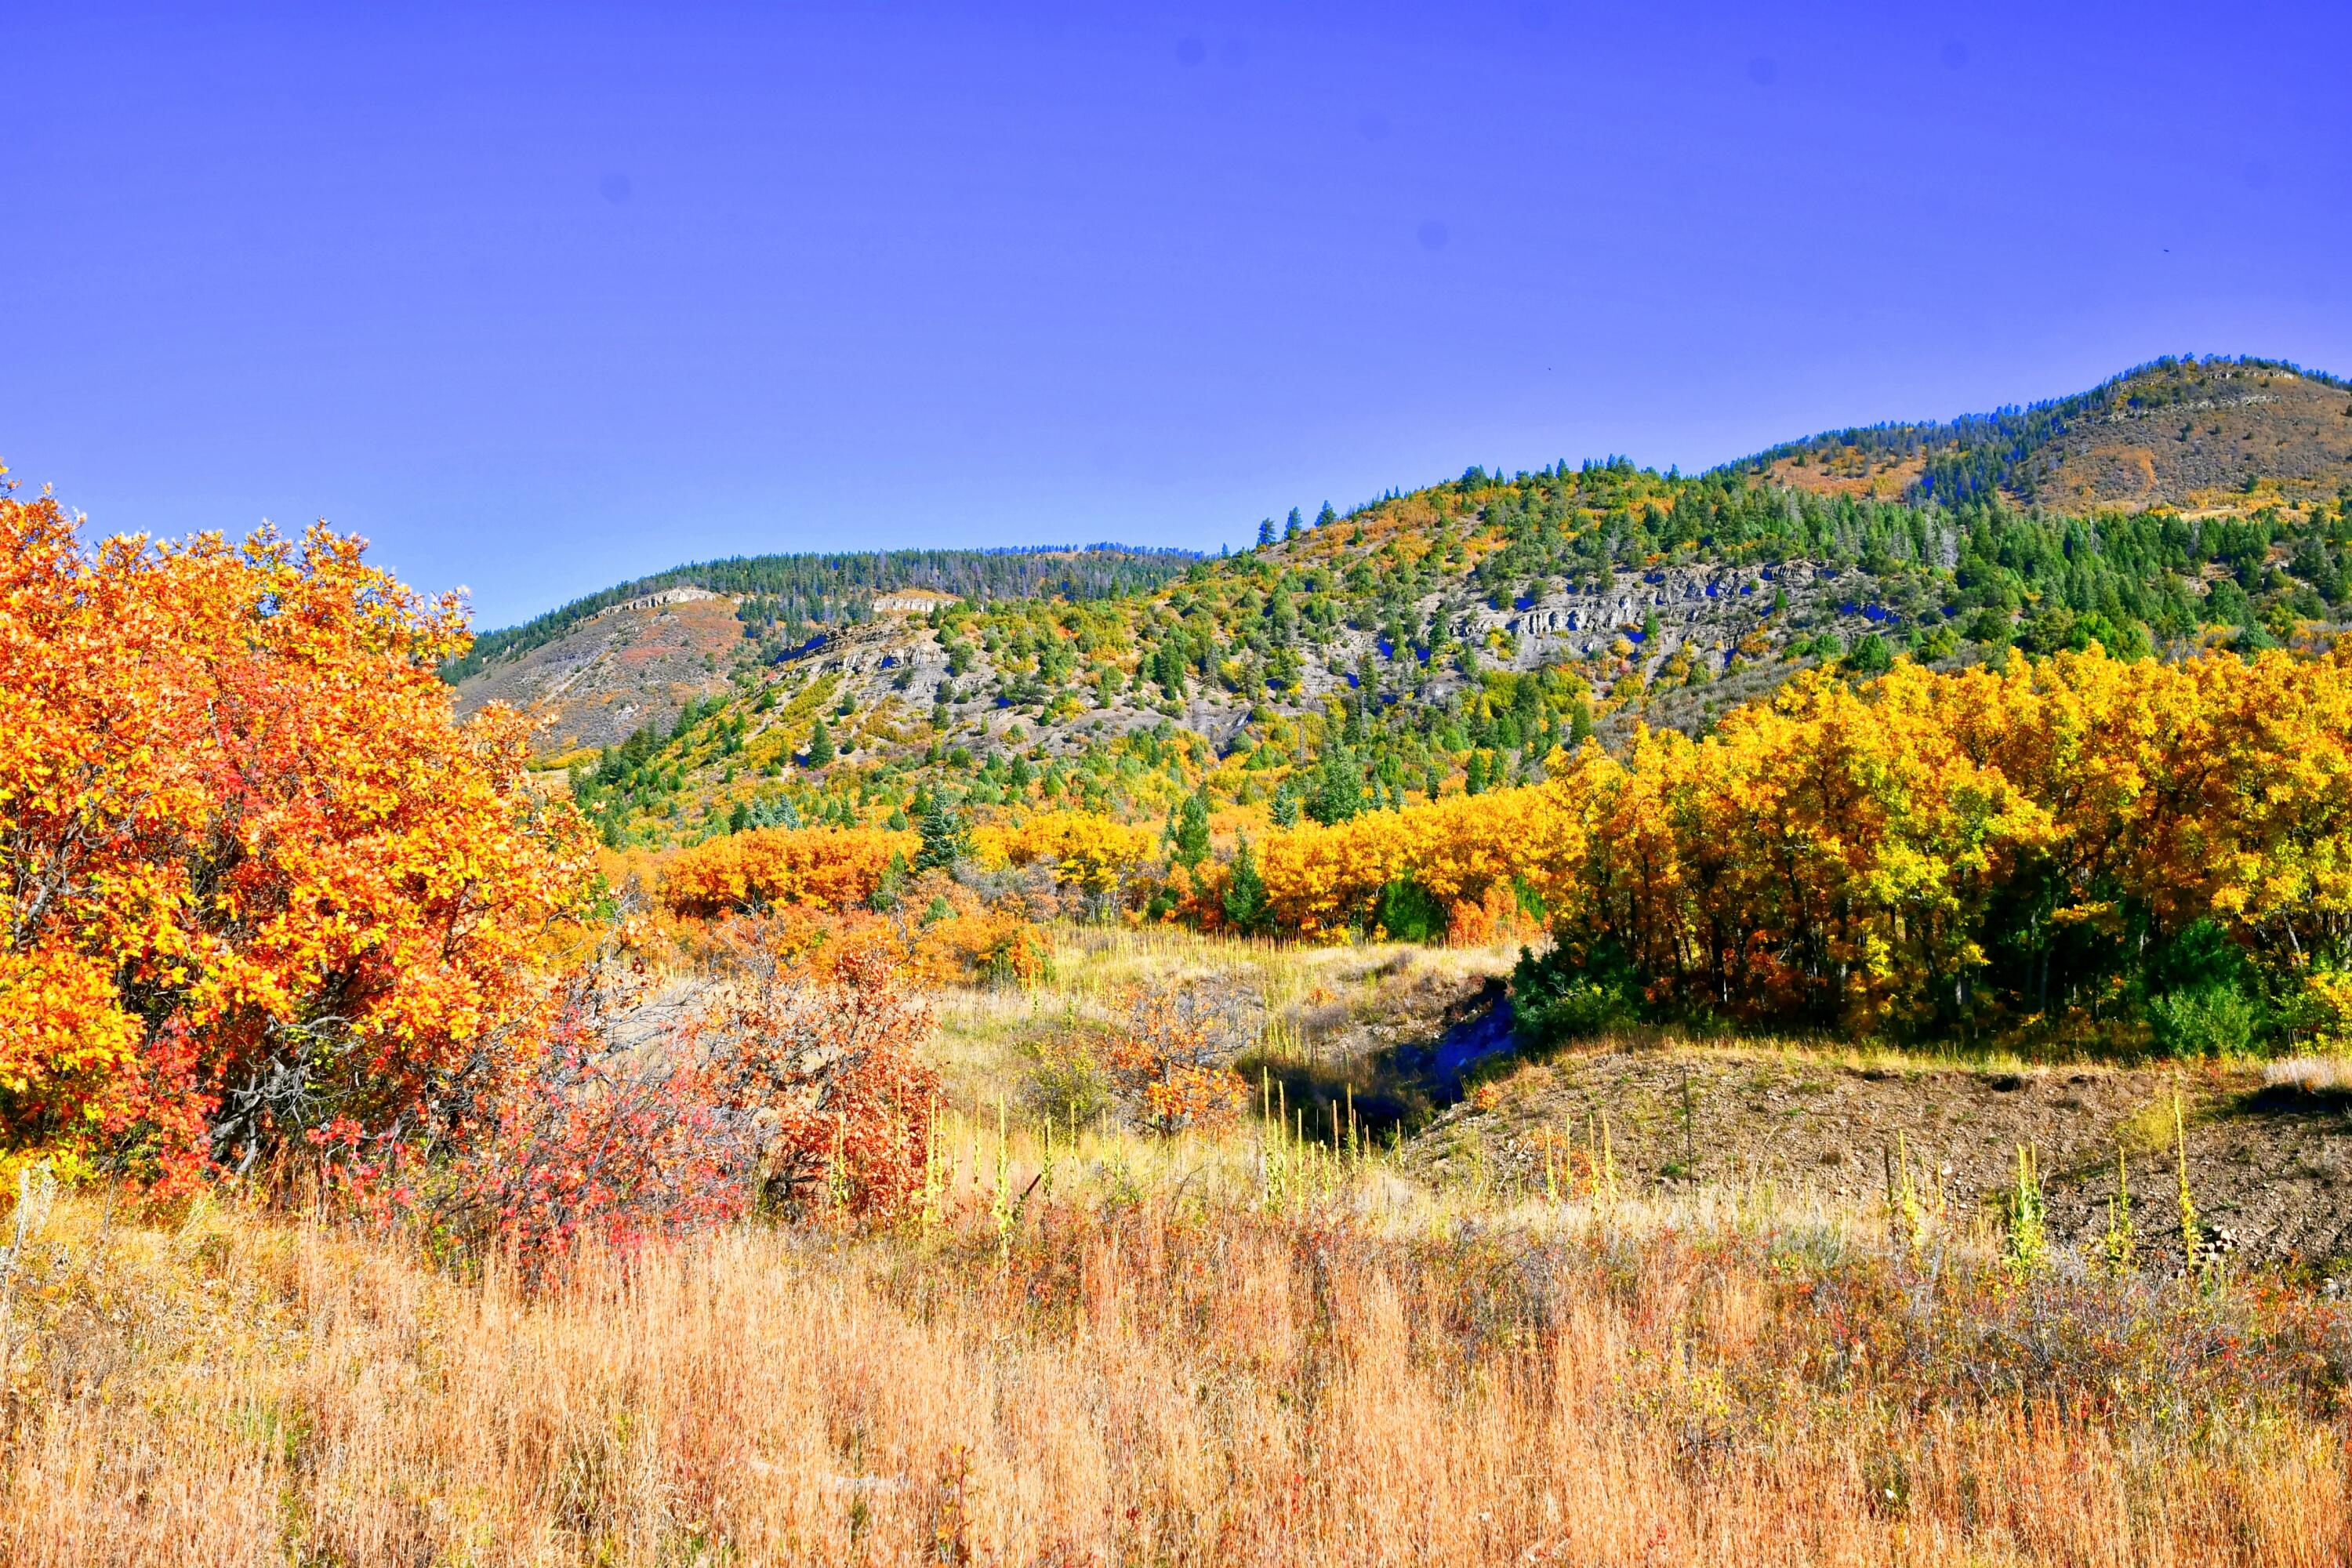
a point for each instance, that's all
(2271, 1163)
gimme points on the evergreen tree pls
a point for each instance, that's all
(1869, 657)
(1246, 901)
(1339, 789)
(885, 897)
(1326, 517)
(1265, 531)
(1294, 526)
(1190, 836)
(820, 746)
(943, 836)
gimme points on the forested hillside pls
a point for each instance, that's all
(792, 592)
(2190, 433)
(1444, 642)
(1384, 642)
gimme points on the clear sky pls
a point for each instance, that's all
(541, 296)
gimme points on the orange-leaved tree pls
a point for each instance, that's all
(254, 876)
(826, 867)
(1171, 1056)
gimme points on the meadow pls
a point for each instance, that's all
(1108, 1347)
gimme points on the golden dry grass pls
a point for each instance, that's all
(1112, 1348)
(1153, 1366)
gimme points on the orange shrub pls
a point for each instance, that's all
(827, 1069)
(256, 876)
(1170, 1055)
(828, 868)
(798, 1085)
(969, 941)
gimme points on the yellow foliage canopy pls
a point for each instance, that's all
(1322, 879)
(1935, 851)
(1087, 851)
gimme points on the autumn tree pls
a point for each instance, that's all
(255, 876)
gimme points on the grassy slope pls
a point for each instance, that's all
(1231, 1348)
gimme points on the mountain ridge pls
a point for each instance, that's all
(1446, 637)
(2051, 451)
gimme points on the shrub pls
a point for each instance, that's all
(255, 876)
(1068, 1079)
(1557, 997)
(1408, 913)
(825, 868)
(1087, 851)
(1869, 657)
(1171, 1058)
(2030, 849)
(787, 1087)
(2213, 1020)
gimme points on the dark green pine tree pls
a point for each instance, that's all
(943, 836)
(1266, 532)
(1190, 837)
(1338, 788)
(820, 746)
(1326, 517)
(1246, 901)
(1295, 525)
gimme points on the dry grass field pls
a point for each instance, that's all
(1218, 1350)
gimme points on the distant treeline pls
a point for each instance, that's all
(1977, 455)
(836, 587)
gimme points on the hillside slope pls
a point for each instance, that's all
(594, 670)
(2195, 434)
(1441, 640)
(614, 671)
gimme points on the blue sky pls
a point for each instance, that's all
(538, 297)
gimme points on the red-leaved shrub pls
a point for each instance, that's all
(640, 1118)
